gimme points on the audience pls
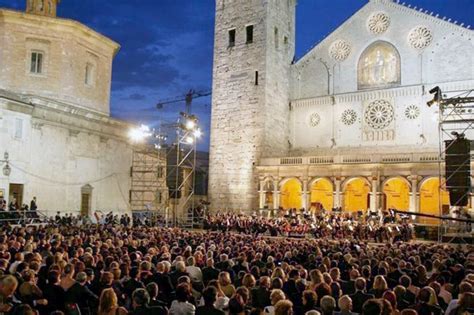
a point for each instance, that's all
(64, 269)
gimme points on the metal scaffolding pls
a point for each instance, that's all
(181, 171)
(456, 121)
(148, 180)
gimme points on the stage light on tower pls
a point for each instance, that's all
(190, 124)
(197, 133)
(436, 97)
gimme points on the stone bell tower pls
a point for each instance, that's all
(254, 44)
(42, 7)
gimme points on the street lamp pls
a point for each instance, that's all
(6, 169)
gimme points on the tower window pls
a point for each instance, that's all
(249, 31)
(36, 62)
(285, 40)
(89, 78)
(232, 38)
(276, 37)
(256, 77)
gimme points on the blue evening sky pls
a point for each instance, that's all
(167, 46)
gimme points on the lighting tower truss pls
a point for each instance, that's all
(456, 117)
(181, 173)
(148, 192)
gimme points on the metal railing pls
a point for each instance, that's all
(22, 217)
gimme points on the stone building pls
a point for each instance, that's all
(63, 147)
(345, 125)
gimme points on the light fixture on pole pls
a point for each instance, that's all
(6, 169)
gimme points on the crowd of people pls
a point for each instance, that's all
(115, 268)
(334, 225)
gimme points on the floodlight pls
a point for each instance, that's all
(436, 98)
(198, 133)
(139, 134)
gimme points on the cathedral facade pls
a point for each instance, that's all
(61, 145)
(347, 124)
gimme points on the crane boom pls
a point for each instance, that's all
(187, 98)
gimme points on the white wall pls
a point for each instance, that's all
(447, 61)
(53, 163)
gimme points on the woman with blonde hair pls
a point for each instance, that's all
(284, 307)
(226, 284)
(248, 281)
(316, 277)
(379, 287)
(108, 304)
(276, 296)
(279, 273)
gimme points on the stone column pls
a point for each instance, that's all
(337, 192)
(261, 203)
(414, 195)
(304, 194)
(374, 204)
(276, 195)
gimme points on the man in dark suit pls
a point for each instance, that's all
(359, 297)
(80, 295)
(290, 288)
(210, 296)
(209, 272)
(140, 301)
(261, 294)
(163, 280)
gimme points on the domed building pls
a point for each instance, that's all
(55, 129)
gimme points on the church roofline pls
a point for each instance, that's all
(72, 24)
(419, 12)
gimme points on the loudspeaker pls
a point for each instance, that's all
(458, 171)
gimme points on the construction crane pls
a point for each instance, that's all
(188, 99)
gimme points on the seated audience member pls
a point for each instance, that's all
(328, 305)
(181, 306)
(140, 304)
(372, 307)
(284, 307)
(276, 296)
(359, 297)
(108, 304)
(210, 296)
(345, 305)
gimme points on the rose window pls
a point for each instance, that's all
(420, 37)
(379, 114)
(349, 117)
(378, 23)
(412, 112)
(339, 50)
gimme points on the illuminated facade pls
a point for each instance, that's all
(344, 126)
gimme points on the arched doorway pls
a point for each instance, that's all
(430, 200)
(321, 194)
(397, 194)
(290, 194)
(356, 195)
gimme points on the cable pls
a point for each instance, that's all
(60, 182)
